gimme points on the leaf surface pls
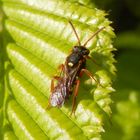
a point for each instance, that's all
(38, 38)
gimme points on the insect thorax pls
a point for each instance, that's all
(78, 53)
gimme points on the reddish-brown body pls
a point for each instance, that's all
(68, 81)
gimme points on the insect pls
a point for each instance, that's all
(68, 82)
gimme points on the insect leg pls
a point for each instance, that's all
(52, 82)
(89, 74)
(74, 96)
(61, 67)
(52, 85)
(88, 57)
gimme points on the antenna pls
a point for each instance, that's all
(75, 33)
(93, 36)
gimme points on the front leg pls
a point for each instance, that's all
(89, 74)
(88, 57)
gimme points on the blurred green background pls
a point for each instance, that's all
(125, 15)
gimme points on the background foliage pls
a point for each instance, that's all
(125, 15)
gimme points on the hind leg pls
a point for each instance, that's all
(75, 96)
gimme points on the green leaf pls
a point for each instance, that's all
(38, 38)
(1, 74)
(88, 3)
